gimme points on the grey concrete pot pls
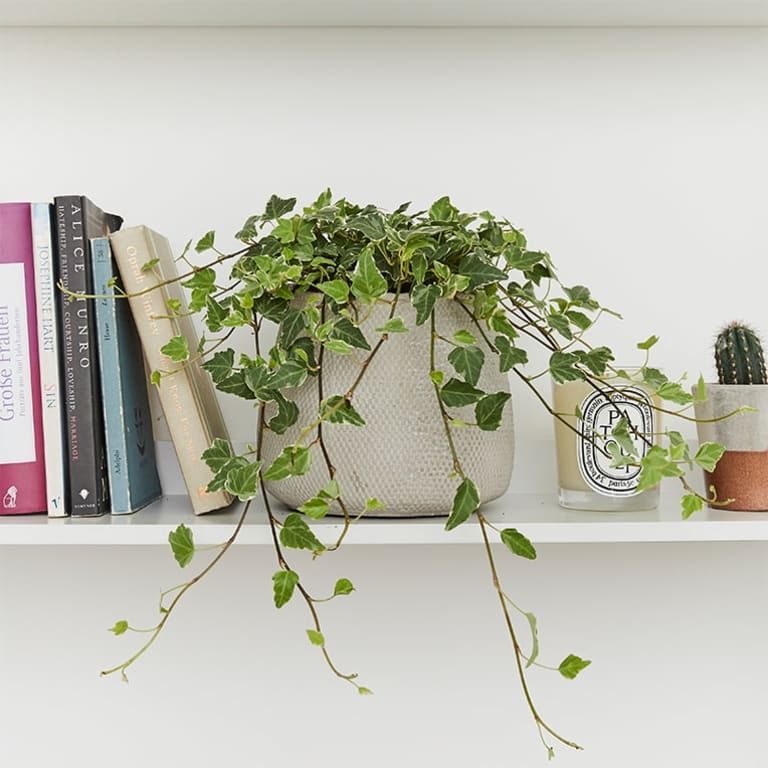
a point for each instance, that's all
(401, 455)
(742, 472)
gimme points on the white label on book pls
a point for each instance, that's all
(17, 426)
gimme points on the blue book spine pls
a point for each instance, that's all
(133, 477)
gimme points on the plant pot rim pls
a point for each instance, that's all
(718, 385)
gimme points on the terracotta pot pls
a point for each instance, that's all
(742, 472)
(401, 455)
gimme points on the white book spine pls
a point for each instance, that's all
(48, 343)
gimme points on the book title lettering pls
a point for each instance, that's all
(17, 433)
(45, 307)
(7, 409)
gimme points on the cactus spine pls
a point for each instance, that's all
(739, 356)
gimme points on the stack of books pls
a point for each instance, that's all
(76, 431)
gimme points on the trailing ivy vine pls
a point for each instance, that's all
(315, 275)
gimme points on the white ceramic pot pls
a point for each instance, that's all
(401, 455)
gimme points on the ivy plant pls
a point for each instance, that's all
(340, 259)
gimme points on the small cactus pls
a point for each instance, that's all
(739, 356)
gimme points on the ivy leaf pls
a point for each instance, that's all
(691, 503)
(443, 210)
(708, 455)
(345, 330)
(343, 587)
(560, 323)
(292, 325)
(571, 665)
(534, 638)
(620, 433)
(315, 637)
(489, 411)
(367, 282)
(283, 585)
(337, 290)
(304, 349)
(373, 505)
(579, 295)
(465, 502)
(296, 534)
(464, 337)
(287, 415)
(242, 481)
(423, 298)
(395, 325)
(655, 467)
(370, 224)
(148, 266)
(236, 385)
(203, 279)
(292, 373)
(700, 393)
(182, 544)
(500, 323)
(176, 349)
(518, 543)
(120, 627)
(596, 359)
(456, 393)
(285, 230)
(520, 259)
(419, 268)
(648, 343)
(218, 455)
(562, 367)
(479, 271)
(221, 477)
(338, 410)
(338, 346)
(678, 448)
(437, 377)
(293, 461)
(673, 392)
(579, 319)
(330, 491)
(215, 314)
(220, 365)
(277, 207)
(315, 508)
(653, 377)
(509, 356)
(205, 243)
(468, 363)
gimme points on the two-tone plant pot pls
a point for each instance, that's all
(401, 456)
(742, 472)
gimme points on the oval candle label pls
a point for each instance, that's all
(600, 411)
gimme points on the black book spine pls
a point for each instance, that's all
(88, 479)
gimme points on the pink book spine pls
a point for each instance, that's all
(22, 467)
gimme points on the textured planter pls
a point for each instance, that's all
(401, 455)
(742, 472)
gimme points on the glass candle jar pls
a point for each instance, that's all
(585, 446)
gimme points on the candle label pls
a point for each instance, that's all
(600, 411)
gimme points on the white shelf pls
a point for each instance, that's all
(397, 13)
(539, 517)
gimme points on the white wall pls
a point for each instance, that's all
(636, 158)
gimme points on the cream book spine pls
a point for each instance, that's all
(55, 451)
(185, 391)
